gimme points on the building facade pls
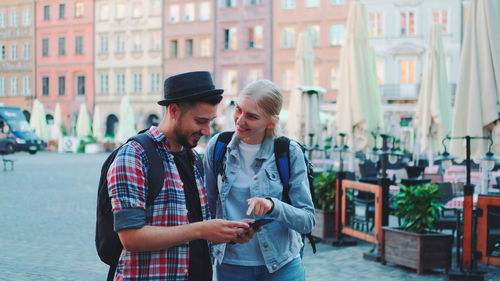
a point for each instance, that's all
(243, 43)
(325, 21)
(128, 60)
(399, 32)
(188, 34)
(17, 60)
(64, 56)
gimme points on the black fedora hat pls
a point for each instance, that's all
(188, 86)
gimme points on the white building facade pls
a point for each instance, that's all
(128, 60)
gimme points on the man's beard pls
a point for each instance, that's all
(182, 139)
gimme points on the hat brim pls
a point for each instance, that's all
(192, 96)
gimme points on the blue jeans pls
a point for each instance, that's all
(294, 270)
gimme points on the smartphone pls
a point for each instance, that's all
(256, 223)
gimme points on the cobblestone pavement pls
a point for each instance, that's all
(47, 226)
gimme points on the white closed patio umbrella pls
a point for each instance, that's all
(38, 122)
(126, 124)
(83, 122)
(478, 89)
(55, 133)
(359, 106)
(434, 112)
(96, 124)
(304, 77)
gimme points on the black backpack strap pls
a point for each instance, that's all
(198, 162)
(155, 167)
(282, 158)
(220, 150)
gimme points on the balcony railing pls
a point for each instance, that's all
(406, 91)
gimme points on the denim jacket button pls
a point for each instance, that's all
(275, 266)
(266, 245)
(254, 177)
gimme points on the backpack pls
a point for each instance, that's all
(282, 159)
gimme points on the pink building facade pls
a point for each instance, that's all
(243, 44)
(325, 20)
(64, 56)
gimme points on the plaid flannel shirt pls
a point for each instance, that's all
(127, 186)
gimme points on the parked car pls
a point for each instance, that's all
(12, 121)
(7, 143)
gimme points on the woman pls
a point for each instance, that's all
(249, 187)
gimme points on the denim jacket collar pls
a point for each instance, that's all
(264, 152)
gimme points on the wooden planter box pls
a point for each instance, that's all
(417, 251)
(325, 224)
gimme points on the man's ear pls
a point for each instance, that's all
(173, 111)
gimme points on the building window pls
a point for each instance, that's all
(80, 90)
(62, 11)
(441, 17)
(155, 82)
(174, 13)
(13, 52)
(120, 83)
(137, 10)
(407, 23)
(13, 86)
(156, 40)
(230, 82)
(26, 51)
(45, 47)
(2, 52)
(376, 24)
(317, 76)
(26, 17)
(173, 49)
(407, 71)
(204, 11)
(2, 86)
(61, 49)
(45, 86)
(13, 18)
(254, 75)
(255, 37)
(189, 12)
(336, 34)
(380, 72)
(189, 47)
(254, 2)
(228, 3)
(78, 9)
(104, 12)
(314, 33)
(2, 19)
(337, 2)
(62, 85)
(137, 43)
(104, 81)
(26, 86)
(120, 44)
(205, 47)
(120, 11)
(103, 46)
(155, 7)
(287, 79)
(137, 83)
(230, 39)
(79, 45)
(287, 38)
(333, 79)
(46, 12)
(311, 3)
(288, 4)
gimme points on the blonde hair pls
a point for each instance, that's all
(269, 99)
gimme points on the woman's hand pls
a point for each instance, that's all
(259, 206)
(246, 236)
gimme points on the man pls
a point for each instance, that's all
(168, 240)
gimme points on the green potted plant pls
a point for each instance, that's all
(324, 202)
(417, 244)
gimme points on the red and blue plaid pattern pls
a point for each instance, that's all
(127, 184)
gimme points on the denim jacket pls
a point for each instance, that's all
(280, 241)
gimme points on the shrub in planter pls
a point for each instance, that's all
(324, 195)
(416, 244)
